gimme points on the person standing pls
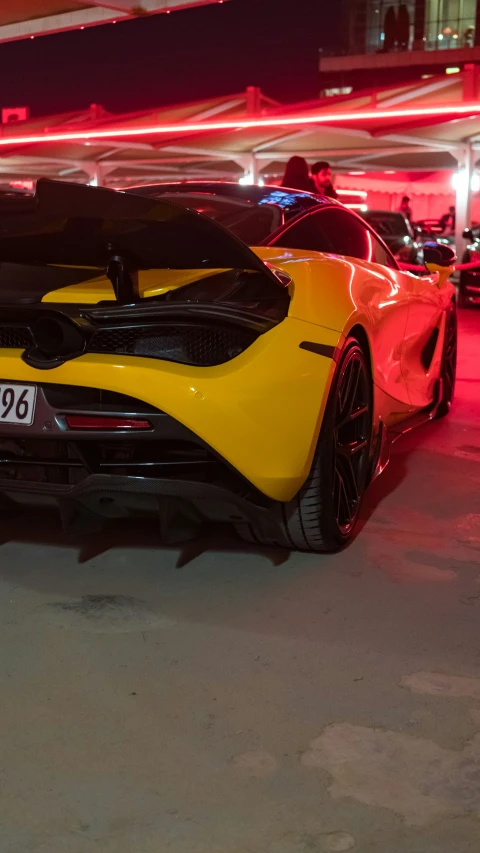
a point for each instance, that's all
(405, 208)
(322, 178)
(297, 176)
(448, 222)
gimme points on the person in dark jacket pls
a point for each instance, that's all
(322, 178)
(448, 222)
(297, 176)
(405, 208)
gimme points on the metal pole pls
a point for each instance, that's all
(463, 196)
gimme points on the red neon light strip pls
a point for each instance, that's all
(247, 124)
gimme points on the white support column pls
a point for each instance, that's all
(254, 169)
(463, 203)
(251, 166)
(96, 172)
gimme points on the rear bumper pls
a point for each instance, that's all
(261, 412)
(181, 506)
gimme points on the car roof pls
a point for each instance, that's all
(255, 194)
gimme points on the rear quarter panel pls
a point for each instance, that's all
(340, 293)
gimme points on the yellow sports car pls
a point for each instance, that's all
(151, 362)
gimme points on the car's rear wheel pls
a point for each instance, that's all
(322, 516)
(449, 363)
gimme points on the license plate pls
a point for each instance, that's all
(17, 404)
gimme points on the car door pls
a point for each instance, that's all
(376, 285)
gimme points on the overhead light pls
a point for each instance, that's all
(446, 111)
(356, 173)
(389, 172)
(440, 36)
(359, 193)
(453, 70)
(247, 180)
(459, 179)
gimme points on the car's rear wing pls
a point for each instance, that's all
(81, 226)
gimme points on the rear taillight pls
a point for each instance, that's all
(105, 423)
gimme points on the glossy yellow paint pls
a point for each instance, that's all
(150, 283)
(343, 293)
(397, 310)
(443, 273)
(261, 411)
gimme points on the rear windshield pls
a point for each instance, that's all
(387, 224)
(251, 223)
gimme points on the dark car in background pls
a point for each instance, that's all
(469, 284)
(397, 233)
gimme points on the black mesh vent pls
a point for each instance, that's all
(200, 345)
(15, 337)
(74, 397)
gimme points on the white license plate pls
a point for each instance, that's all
(17, 404)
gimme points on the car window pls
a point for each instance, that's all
(330, 230)
(381, 255)
(247, 221)
(388, 224)
(306, 233)
(347, 234)
(336, 231)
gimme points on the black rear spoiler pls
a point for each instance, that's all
(77, 225)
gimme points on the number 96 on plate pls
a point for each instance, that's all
(17, 404)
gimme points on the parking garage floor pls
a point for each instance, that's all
(220, 699)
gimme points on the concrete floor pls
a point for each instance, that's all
(226, 700)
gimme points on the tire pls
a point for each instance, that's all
(322, 516)
(449, 363)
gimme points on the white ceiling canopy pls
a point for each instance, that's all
(20, 19)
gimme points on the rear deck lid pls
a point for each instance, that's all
(70, 225)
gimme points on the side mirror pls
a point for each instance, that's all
(467, 234)
(438, 254)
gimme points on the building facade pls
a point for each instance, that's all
(388, 41)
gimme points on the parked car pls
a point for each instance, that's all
(190, 376)
(428, 229)
(397, 233)
(469, 284)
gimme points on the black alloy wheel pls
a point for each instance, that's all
(351, 439)
(449, 364)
